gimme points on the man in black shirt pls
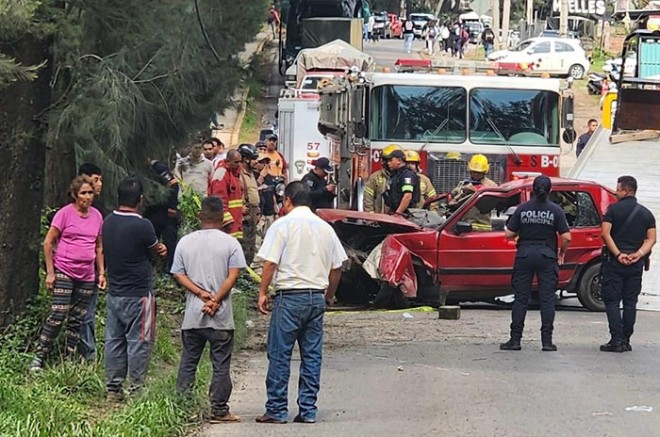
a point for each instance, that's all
(164, 215)
(628, 231)
(128, 243)
(536, 223)
(403, 186)
(592, 125)
(321, 192)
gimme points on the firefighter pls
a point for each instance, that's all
(251, 200)
(536, 223)
(403, 185)
(478, 167)
(225, 183)
(425, 185)
(376, 185)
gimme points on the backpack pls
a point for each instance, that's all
(465, 35)
(433, 32)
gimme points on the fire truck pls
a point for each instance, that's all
(517, 122)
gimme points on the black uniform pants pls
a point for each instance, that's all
(621, 283)
(530, 261)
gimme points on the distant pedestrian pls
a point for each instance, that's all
(194, 171)
(592, 125)
(445, 36)
(307, 256)
(208, 263)
(488, 40)
(130, 328)
(430, 33)
(267, 200)
(88, 331)
(251, 200)
(408, 35)
(536, 224)
(273, 20)
(72, 248)
(322, 192)
(371, 22)
(629, 234)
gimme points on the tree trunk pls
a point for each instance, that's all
(60, 169)
(22, 149)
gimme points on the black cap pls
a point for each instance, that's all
(397, 154)
(324, 164)
(272, 137)
(542, 185)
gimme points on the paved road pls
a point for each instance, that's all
(449, 378)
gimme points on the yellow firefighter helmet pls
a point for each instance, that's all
(456, 156)
(478, 163)
(389, 149)
(412, 156)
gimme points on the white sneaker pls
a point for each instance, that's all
(37, 365)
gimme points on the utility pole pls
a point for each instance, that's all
(563, 19)
(495, 11)
(530, 12)
(505, 23)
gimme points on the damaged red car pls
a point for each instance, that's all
(394, 262)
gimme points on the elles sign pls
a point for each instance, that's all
(582, 7)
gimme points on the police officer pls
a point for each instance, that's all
(536, 223)
(376, 186)
(628, 231)
(321, 192)
(425, 185)
(403, 186)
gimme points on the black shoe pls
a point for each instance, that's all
(549, 347)
(612, 347)
(300, 419)
(511, 345)
(627, 347)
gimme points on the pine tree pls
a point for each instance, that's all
(113, 82)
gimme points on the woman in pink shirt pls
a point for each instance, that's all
(72, 250)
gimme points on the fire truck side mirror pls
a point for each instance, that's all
(569, 135)
(567, 113)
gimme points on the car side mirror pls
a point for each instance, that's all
(462, 228)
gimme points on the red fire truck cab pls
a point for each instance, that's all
(462, 264)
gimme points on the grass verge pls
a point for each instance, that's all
(68, 397)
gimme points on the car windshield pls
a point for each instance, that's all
(420, 18)
(380, 18)
(419, 113)
(515, 117)
(522, 46)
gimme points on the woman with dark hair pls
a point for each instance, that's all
(72, 247)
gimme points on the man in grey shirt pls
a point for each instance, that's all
(207, 263)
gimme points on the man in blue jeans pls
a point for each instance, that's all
(128, 242)
(307, 255)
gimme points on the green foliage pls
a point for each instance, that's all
(190, 205)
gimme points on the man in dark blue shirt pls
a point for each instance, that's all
(128, 243)
(585, 137)
(536, 223)
(403, 186)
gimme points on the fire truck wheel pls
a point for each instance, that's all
(589, 289)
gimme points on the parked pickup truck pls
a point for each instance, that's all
(460, 263)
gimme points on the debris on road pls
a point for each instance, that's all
(640, 408)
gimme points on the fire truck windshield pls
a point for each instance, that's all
(516, 117)
(432, 114)
(419, 113)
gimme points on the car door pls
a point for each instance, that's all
(564, 56)
(584, 221)
(541, 57)
(478, 260)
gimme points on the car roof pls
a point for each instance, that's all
(422, 14)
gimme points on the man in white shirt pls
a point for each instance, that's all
(307, 256)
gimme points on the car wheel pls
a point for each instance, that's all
(588, 292)
(576, 71)
(390, 298)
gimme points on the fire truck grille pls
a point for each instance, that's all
(447, 173)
